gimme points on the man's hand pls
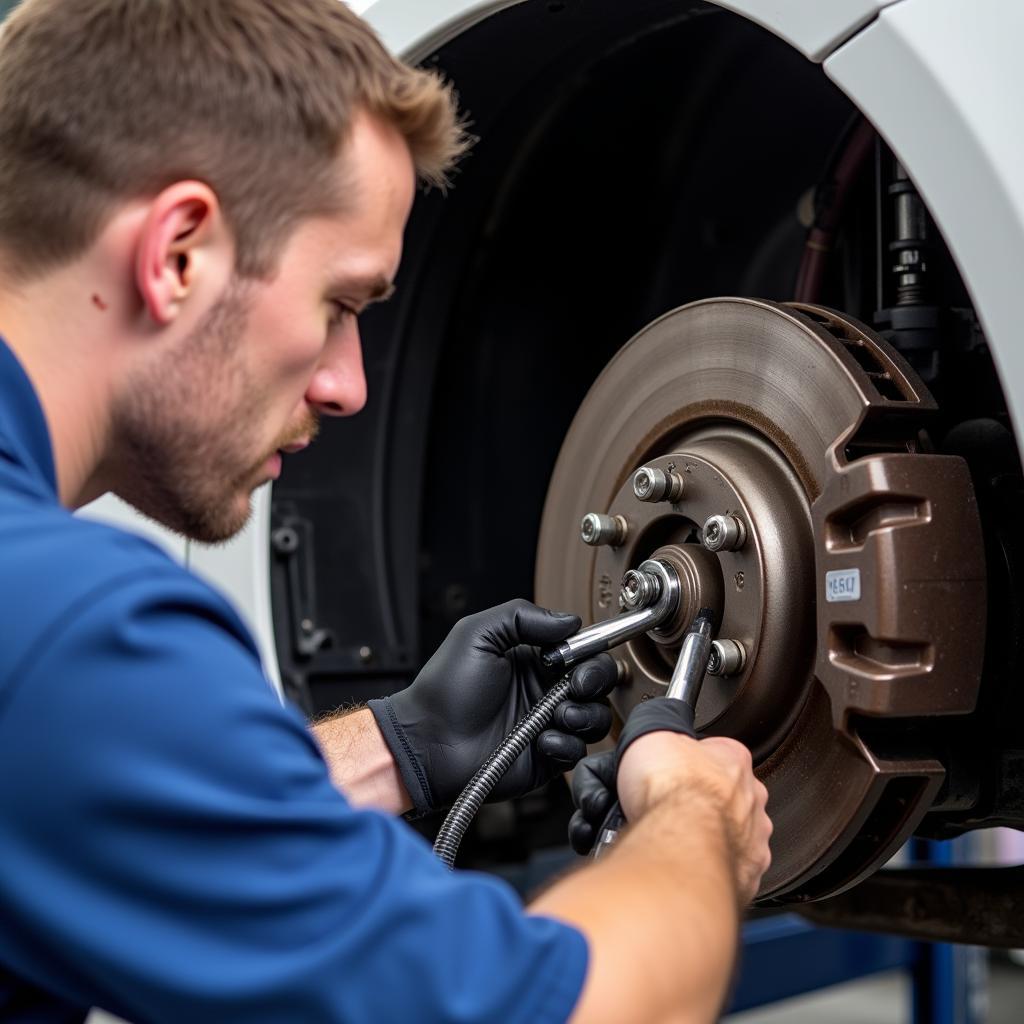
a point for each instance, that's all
(482, 680)
(711, 776)
(651, 765)
(693, 853)
(593, 793)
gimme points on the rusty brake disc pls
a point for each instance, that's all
(855, 590)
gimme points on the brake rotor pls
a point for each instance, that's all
(854, 590)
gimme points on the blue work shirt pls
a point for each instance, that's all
(171, 846)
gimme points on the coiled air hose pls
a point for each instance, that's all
(470, 800)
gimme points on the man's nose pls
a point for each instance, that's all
(338, 385)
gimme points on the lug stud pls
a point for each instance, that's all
(597, 529)
(639, 589)
(724, 533)
(651, 484)
(727, 658)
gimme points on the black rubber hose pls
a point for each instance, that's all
(470, 800)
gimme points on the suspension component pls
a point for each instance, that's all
(913, 323)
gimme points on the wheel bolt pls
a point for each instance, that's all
(597, 529)
(727, 658)
(651, 484)
(639, 589)
(724, 533)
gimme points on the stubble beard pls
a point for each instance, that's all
(184, 448)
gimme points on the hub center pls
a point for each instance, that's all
(728, 516)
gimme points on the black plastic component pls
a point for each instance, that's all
(909, 323)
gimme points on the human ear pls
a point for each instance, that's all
(182, 238)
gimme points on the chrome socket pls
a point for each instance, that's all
(652, 484)
(639, 589)
(597, 529)
(728, 657)
(724, 533)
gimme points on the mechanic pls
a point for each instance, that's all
(197, 200)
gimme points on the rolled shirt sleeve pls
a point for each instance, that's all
(173, 848)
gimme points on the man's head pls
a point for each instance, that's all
(229, 181)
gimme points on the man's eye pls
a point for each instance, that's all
(340, 313)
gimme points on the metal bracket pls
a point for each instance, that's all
(290, 543)
(970, 906)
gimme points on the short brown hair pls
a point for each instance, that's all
(107, 100)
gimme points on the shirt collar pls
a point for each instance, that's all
(24, 435)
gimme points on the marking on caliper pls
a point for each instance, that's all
(842, 585)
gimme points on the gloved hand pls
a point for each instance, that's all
(593, 782)
(482, 680)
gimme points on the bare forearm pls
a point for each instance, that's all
(360, 763)
(661, 919)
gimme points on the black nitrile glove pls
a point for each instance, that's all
(593, 782)
(593, 793)
(465, 701)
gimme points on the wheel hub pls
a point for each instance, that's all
(773, 456)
